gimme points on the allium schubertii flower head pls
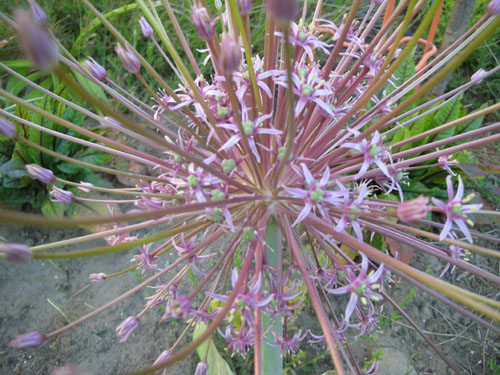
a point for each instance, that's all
(288, 151)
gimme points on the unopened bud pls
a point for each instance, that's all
(95, 69)
(203, 23)
(97, 277)
(128, 59)
(230, 55)
(201, 368)
(15, 252)
(478, 75)
(37, 44)
(43, 175)
(7, 129)
(37, 12)
(146, 28)
(283, 10)
(494, 8)
(415, 209)
(244, 6)
(32, 339)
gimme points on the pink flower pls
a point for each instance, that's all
(314, 194)
(455, 210)
(125, 329)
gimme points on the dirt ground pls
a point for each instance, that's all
(29, 293)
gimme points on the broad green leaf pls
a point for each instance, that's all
(471, 125)
(14, 168)
(448, 113)
(95, 157)
(216, 364)
(51, 209)
(91, 87)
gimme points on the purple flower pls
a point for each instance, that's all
(283, 10)
(7, 129)
(309, 87)
(306, 39)
(351, 204)
(37, 44)
(314, 194)
(43, 175)
(125, 329)
(95, 69)
(494, 7)
(32, 339)
(62, 196)
(361, 286)
(128, 59)
(373, 153)
(37, 12)
(166, 354)
(240, 339)
(230, 55)
(288, 344)
(202, 22)
(244, 6)
(16, 252)
(445, 163)
(455, 210)
(201, 368)
(146, 258)
(180, 308)
(251, 130)
(146, 28)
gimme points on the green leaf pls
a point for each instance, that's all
(471, 125)
(51, 209)
(91, 87)
(216, 364)
(69, 168)
(448, 113)
(95, 157)
(14, 168)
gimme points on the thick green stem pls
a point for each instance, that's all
(272, 360)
